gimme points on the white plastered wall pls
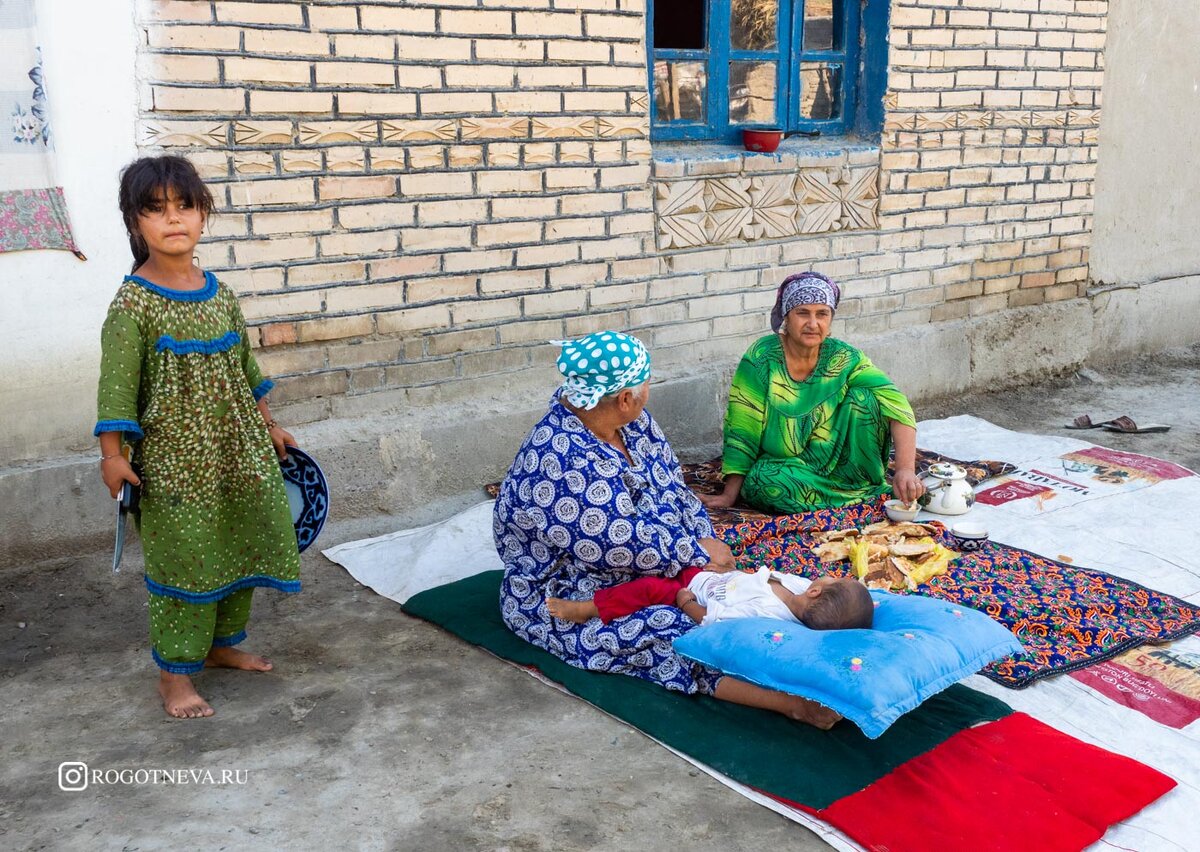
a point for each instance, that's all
(1147, 204)
(52, 303)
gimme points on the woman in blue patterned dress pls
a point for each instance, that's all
(595, 497)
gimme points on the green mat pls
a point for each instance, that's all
(760, 749)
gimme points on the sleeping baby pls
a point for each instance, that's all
(828, 603)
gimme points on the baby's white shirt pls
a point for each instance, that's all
(736, 594)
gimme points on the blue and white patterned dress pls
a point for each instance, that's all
(574, 516)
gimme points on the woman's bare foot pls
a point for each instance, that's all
(578, 612)
(179, 697)
(792, 706)
(232, 658)
(813, 713)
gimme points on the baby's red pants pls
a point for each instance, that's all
(627, 598)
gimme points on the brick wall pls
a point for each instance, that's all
(415, 196)
(990, 143)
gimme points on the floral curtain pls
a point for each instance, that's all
(33, 212)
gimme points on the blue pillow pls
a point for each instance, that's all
(918, 647)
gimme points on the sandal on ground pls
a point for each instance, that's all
(1083, 421)
(1128, 427)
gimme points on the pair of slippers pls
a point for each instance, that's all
(1119, 424)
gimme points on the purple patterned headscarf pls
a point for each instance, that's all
(805, 288)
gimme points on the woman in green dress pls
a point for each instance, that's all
(178, 382)
(811, 420)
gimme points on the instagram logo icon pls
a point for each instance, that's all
(72, 776)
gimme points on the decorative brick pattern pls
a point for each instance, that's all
(416, 194)
(711, 211)
(837, 199)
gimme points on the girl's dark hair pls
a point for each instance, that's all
(144, 180)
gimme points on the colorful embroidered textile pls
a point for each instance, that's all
(814, 444)
(33, 212)
(177, 375)
(601, 364)
(706, 478)
(1066, 617)
(574, 516)
(958, 754)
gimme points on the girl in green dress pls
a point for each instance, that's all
(179, 383)
(811, 420)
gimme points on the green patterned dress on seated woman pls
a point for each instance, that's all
(816, 444)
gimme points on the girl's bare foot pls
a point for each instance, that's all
(179, 697)
(578, 612)
(232, 658)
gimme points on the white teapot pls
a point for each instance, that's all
(947, 490)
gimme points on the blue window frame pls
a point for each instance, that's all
(718, 66)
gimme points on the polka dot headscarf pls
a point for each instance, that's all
(601, 364)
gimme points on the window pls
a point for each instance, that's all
(717, 66)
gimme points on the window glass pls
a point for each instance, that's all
(752, 92)
(754, 24)
(819, 24)
(679, 24)
(679, 91)
(820, 90)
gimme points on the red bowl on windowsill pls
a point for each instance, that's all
(763, 140)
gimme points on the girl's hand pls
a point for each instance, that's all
(116, 471)
(906, 486)
(282, 439)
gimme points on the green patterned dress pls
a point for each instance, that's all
(178, 378)
(816, 444)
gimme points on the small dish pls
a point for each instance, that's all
(969, 537)
(307, 495)
(898, 510)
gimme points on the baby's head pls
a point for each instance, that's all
(835, 603)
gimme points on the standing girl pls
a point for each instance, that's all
(179, 383)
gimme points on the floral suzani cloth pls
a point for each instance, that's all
(33, 211)
(573, 516)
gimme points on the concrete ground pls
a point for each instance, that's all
(379, 731)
